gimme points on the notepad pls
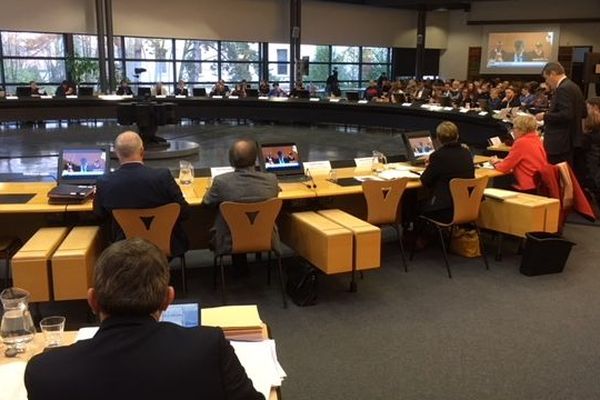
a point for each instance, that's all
(232, 317)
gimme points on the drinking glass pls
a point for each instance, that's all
(186, 172)
(53, 328)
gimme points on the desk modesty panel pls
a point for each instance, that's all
(475, 129)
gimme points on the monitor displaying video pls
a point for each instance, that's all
(520, 50)
(83, 163)
(421, 146)
(280, 157)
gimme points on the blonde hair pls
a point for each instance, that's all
(447, 132)
(525, 123)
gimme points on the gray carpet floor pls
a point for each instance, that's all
(482, 335)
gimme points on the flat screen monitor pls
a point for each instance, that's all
(352, 96)
(144, 92)
(199, 92)
(281, 158)
(82, 165)
(23, 91)
(183, 314)
(251, 92)
(86, 91)
(518, 49)
(419, 145)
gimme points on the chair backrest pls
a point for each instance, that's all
(251, 224)
(466, 197)
(383, 198)
(153, 224)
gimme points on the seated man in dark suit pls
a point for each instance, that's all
(124, 89)
(133, 356)
(245, 184)
(451, 160)
(65, 89)
(134, 185)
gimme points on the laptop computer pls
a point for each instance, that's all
(419, 145)
(186, 313)
(282, 159)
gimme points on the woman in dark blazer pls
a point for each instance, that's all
(451, 160)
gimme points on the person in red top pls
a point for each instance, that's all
(527, 156)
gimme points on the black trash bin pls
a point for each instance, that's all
(545, 253)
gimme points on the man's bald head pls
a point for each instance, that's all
(129, 147)
(242, 153)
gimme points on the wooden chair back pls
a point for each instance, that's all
(383, 198)
(251, 224)
(466, 196)
(153, 224)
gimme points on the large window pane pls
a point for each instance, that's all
(25, 44)
(148, 48)
(196, 50)
(317, 72)
(85, 46)
(344, 54)
(315, 53)
(235, 72)
(155, 71)
(373, 71)
(85, 70)
(377, 55)
(279, 72)
(239, 51)
(25, 70)
(347, 72)
(197, 72)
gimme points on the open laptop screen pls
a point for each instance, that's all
(183, 314)
(281, 158)
(82, 164)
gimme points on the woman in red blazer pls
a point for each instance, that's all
(527, 156)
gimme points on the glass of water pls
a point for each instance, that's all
(186, 172)
(53, 328)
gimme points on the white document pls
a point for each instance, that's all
(86, 333)
(259, 359)
(390, 174)
(12, 381)
(216, 171)
(317, 167)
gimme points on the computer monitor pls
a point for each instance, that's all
(302, 94)
(86, 91)
(352, 96)
(251, 92)
(281, 158)
(199, 92)
(82, 165)
(419, 145)
(186, 314)
(144, 92)
(23, 91)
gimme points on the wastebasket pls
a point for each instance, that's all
(545, 253)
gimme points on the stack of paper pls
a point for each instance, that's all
(11, 381)
(390, 174)
(260, 362)
(238, 322)
(499, 194)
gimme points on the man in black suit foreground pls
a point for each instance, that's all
(133, 356)
(134, 185)
(563, 120)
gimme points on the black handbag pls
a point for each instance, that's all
(302, 285)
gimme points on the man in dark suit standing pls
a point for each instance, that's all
(135, 185)
(133, 356)
(245, 184)
(562, 121)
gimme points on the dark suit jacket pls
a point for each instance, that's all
(562, 122)
(448, 162)
(139, 358)
(136, 186)
(124, 91)
(242, 185)
(181, 92)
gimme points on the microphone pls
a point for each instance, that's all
(312, 184)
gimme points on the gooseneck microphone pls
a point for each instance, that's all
(312, 184)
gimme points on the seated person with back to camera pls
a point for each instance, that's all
(526, 158)
(135, 185)
(451, 160)
(133, 355)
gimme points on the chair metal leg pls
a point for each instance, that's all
(183, 276)
(402, 253)
(418, 226)
(215, 268)
(444, 251)
(269, 269)
(222, 267)
(499, 240)
(281, 280)
(481, 248)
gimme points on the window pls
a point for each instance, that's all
(148, 48)
(196, 50)
(156, 71)
(26, 44)
(198, 71)
(344, 54)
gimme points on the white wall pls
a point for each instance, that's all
(453, 62)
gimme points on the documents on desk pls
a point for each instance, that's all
(499, 194)
(238, 322)
(12, 382)
(390, 174)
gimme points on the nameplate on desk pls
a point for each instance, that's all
(314, 99)
(161, 96)
(263, 97)
(363, 101)
(314, 166)
(234, 97)
(363, 161)
(406, 104)
(46, 97)
(180, 96)
(279, 99)
(448, 109)
(70, 96)
(464, 110)
(12, 98)
(216, 171)
(216, 97)
(483, 113)
(334, 100)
